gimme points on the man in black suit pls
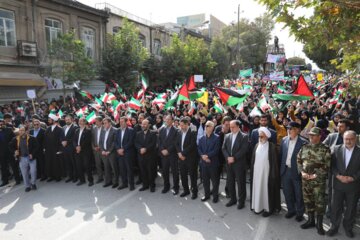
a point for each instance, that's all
(254, 136)
(53, 149)
(145, 143)
(188, 158)
(39, 134)
(169, 158)
(108, 154)
(82, 144)
(234, 148)
(68, 149)
(346, 185)
(95, 144)
(125, 148)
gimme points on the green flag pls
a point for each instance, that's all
(245, 73)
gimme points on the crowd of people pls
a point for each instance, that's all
(309, 149)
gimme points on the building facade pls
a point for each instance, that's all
(26, 29)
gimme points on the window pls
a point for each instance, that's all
(142, 40)
(116, 29)
(88, 37)
(7, 28)
(52, 29)
(157, 47)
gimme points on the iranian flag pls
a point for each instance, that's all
(159, 100)
(144, 86)
(91, 117)
(281, 89)
(183, 94)
(86, 94)
(111, 97)
(172, 100)
(192, 108)
(230, 97)
(263, 105)
(82, 111)
(104, 97)
(117, 87)
(60, 113)
(302, 92)
(134, 103)
(97, 104)
(217, 106)
(255, 112)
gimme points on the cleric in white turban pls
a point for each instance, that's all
(265, 177)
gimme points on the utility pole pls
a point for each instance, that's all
(238, 41)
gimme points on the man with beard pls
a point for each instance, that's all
(145, 143)
(68, 149)
(167, 143)
(53, 146)
(95, 143)
(39, 133)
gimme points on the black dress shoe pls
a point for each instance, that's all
(115, 185)
(184, 194)
(99, 180)
(331, 232)
(215, 199)
(266, 214)
(165, 190)
(68, 180)
(299, 218)
(74, 180)
(33, 187)
(58, 180)
(194, 196)
(143, 189)
(132, 188)
(122, 187)
(80, 183)
(4, 184)
(289, 215)
(231, 203)
(107, 184)
(349, 233)
(138, 182)
(27, 189)
(175, 192)
(240, 206)
(203, 199)
(91, 184)
(152, 189)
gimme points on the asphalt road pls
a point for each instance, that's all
(65, 211)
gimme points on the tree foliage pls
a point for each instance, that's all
(68, 60)
(334, 23)
(321, 55)
(123, 56)
(296, 61)
(182, 59)
(221, 55)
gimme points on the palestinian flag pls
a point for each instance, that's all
(302, 92)
(183, 94)
(196, 94)
(230, 97)
(172, 100)
(91, 117)
(86, 94)
(191, 83)
(134, 104)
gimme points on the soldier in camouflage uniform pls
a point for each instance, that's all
(314, 162)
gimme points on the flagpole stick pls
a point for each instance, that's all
(33, 104)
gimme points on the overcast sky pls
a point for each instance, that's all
(161, 11)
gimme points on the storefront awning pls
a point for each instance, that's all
(14, 79)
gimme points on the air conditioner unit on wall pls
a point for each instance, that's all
(27, 49)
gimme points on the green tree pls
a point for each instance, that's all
(334, 23)
(221, 55)
(296, 61)
(123, 56)
(182, 59)
(68, 60)
(320, 55)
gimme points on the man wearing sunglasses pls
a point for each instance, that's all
(39, 133)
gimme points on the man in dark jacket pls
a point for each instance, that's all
(39, 133)
(68, 132)
(24, 147)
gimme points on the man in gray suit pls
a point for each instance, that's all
(108, 154)
(332, 140)
(234, 148)
(346, 187)
(95, 144)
